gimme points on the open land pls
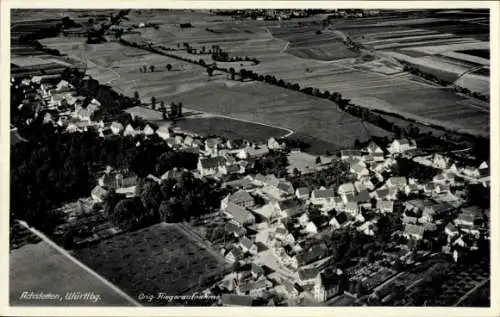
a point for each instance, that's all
(299, 55)
(165, 264)
(41, 267)
(189, 84)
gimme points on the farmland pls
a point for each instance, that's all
(298, 54)
(40, 267)
(189, 84)
(165, 264)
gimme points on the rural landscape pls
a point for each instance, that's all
(252, 157)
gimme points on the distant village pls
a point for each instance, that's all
(283, 239)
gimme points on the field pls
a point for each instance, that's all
(41, 268)
(378, 84)
(170, 261)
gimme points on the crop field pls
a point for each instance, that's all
(378, 84)
(41, 268)
(170, 261)
(230, 128)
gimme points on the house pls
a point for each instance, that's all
(239, 214)
(409, 219)
(334, 223)
(471, 172)
(373, 148)
(414, 231)
(116, 128)
(398, 182)
(322, 196)
(302, 193)
(257, 270)
(212, 146)
(363, 199)
(350, 154)
(346, 189)
(312, 254)
(256, 288)
(450, 230)
(440, 161)
(367, 228)
(247, 245)
(381, 194)
(211, 165)
(257, 151)
(64, 86)
(242, 198)
(125, 179)
(465, 219)
(272, 144)
(327, 285)
(282, 234)
(175, 173)
(360, 186)
(98, 194)
(401, 145)
(230, 300)
(385, 206)
(287, 208)
(268, 212)
(411, 189)
(311, 228)
(164, 132)
(148, 130)
(442, 188)
(360, 170)
(234, 228)
(308, 276)
(130, 131)
(351, 208)
(235, 254)
(304, 219)
(282, 190)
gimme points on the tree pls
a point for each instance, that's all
(173, 110)
(169, 67)
(232, 72)
(153, 103)
(152, 68)
(210, 71)
(130, 214)
(318, 160)
(179, 110)
(136, 98)
(243, 74)
(145, 68)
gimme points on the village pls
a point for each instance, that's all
(287, 244)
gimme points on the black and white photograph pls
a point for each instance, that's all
(236, 157)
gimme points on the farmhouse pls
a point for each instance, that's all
(398, 182)
(239, 214)
(385, 206)
(322, 196)
(302, 193)
(272, 144)
(327, 286)
(350, 154)
(440, 161)
(268, 212)
(373, 148)
(247, 245)
(401, 145)
(211, 165)
(116, 128)
(242, 198)
(346, 189)
(414, 231)
(164, 132)
(98, 194)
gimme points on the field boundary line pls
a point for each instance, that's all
(77, 262)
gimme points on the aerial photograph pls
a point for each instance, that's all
(249, 157)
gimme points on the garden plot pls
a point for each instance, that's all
(160, 258)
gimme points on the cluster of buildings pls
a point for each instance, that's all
(280, 236)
